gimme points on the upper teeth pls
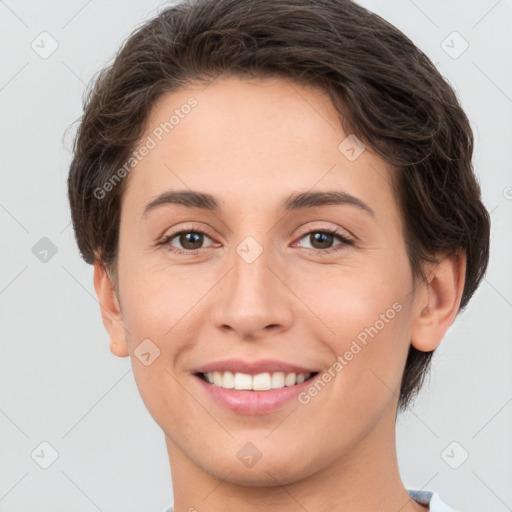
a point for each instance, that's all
(259, 382)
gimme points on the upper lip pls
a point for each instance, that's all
(252, 367)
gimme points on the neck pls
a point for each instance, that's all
(365, 479)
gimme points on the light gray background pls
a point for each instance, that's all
(59, 382)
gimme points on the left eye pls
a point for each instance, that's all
(322, 239)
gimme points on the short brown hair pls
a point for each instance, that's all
(387, 92)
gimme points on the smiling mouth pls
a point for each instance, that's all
(260, 382)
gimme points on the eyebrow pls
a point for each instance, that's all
(296, 201)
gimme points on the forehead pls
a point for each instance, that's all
(253, 142)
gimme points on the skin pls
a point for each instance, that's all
(251, 143)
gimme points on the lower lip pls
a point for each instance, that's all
(253, 402)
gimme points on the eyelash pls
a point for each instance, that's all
(335, 232)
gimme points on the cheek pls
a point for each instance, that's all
(164, 313)
(358, 295)
(369, 316)
(164, 307)
(369, 354)
(158, 301)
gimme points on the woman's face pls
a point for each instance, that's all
(255, 281)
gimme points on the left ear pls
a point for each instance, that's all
(438, 302)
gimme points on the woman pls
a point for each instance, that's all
(279, 204)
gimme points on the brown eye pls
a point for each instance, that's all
(191, 240)
(185, 242)
(323, 240)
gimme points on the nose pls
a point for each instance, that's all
(253, 299)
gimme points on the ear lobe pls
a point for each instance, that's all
(110, 310)
(439, 303)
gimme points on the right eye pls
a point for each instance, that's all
(190, 240)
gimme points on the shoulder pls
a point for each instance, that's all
(430, 498)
